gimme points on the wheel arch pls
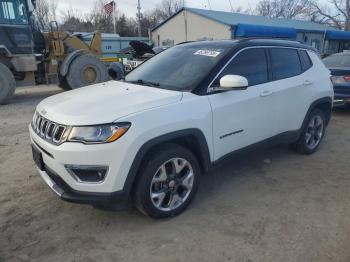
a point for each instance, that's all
(68, 61)
(325, 104)
(193, 139)
(4, 51)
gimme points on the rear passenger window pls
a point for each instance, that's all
(285, 63)
(250, 63)
(305, 60)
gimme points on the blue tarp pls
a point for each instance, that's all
(247, 30)
(337, 35)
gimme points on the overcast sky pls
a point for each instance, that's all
(129, 6)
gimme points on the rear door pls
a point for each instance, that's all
(292, 83)
(243, 117)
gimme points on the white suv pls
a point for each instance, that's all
(148, 139)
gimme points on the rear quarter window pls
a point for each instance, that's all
(305, 60)
(285, 63)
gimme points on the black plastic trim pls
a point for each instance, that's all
(283, 138)
(118, 198)
(204, 154)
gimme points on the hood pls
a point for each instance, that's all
(104, 103)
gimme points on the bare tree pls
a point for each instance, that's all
(42, 13)
(101, 20)
(283, 8)
(336, 13)
(53, 4)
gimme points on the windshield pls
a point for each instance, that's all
(337, 61)
(13, 12)
(180, 68)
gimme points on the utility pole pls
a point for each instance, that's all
(139, 17)
(114, 18)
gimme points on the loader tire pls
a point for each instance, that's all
(7, 84)
(64, 85)
(86, 70)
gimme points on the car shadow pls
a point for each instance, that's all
(233, 171)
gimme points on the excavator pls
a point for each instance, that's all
(29, 57)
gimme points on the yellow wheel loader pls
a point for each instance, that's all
(29, 56)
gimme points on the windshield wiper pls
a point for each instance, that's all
(146, 83)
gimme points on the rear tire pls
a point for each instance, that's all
(312, 133)
(168, 182)
(7, 84)
(86, 70)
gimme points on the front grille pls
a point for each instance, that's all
(48, 130)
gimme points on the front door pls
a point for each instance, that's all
(243, 117)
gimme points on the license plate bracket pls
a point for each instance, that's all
(38, 158)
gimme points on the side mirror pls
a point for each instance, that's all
(229, 82)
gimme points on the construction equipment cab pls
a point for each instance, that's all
(29, 56)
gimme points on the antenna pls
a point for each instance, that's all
(139, 17)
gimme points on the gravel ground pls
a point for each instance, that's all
(271, 205)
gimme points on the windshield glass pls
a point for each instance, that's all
(13, 12)
(180, 68)
(337, 61)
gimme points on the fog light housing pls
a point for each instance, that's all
(87, 174)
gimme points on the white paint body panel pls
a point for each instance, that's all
(261, 112)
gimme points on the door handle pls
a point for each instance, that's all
(307, 83)
(266, 93)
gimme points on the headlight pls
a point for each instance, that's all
(97, 134)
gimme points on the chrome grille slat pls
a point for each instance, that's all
(48, 130)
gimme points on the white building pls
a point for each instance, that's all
(191, 24)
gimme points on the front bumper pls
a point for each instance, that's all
(119, 199)
(111, 192)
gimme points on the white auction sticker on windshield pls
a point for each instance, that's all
(210, 53)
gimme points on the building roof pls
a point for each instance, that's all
(233, 19)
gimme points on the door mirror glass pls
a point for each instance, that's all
(229, 82)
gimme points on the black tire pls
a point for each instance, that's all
(86, 70)
(64, 85)
(149, 171)
(116, 71)
(7, 84)
(302, 145)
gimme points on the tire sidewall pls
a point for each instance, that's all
(148, 170)
(74, 78)
(6, 80)
(305, 148)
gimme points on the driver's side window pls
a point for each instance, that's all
(250, 63)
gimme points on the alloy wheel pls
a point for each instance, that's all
(314, 132)
(172, 184)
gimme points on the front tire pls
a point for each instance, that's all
(312, 133)
(168, 182)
